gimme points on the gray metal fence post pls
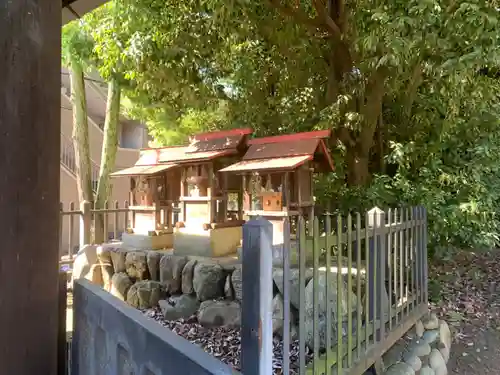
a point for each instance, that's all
(257, 275)
(376, 264)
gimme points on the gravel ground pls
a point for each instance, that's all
(225, 343)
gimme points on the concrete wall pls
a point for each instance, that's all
(133, 135)
(112, 338)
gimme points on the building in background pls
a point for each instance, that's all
(132, 137)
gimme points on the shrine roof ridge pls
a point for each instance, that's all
(222, 134)
(316, 134)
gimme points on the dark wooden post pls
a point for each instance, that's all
(30, 71)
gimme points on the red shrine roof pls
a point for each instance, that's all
(317, 134)
(142, 170)
(202, 147)
(282, 152)
(285, 152)
(206, 146)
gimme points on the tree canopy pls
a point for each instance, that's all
(399, 83)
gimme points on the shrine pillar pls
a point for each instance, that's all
(30, 71)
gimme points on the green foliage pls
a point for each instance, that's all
(396, 81)
(77, 45)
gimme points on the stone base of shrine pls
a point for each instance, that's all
(207, 243)
(147, 242)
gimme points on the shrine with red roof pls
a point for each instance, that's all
(196, 197)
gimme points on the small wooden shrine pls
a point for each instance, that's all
(277, 176)
(154, 190)
(206, 226)
(187, 176)
(215, 181)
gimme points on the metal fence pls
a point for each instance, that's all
(350, 287)
(77, 223)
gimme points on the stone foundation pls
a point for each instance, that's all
(424, 350)
(210, 289)
(146, 242)
(207, 243)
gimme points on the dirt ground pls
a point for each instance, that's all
(465, 288)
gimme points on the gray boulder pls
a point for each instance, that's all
(107, 273)
(294, 283)
(171, 267)
(344, 303)
(136, 264)
(237, 282)
(278, 317)
(145, 294)
(120, 284)
(179, 307)
(87, 265)
(153, 261)
(228, 288)
(118, 257)
(187, 277)
(220, 313)
(208, 281)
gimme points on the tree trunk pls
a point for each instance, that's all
(358, 172)
(108, 155)
(358, 156)
(80, 134)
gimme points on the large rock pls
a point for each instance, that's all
(136, 264)
(118, 257)
(187, 277)
(444, 350)
(278, 317)
(444, 334)
(171, 267)
(104, 254)
(418, 348)
(153, 260)
(430, 337)
(87, 265)
(430, 321)
(294, 283)
(228, 288)
(107, 273)
(413, 361)
(220, 313)
(120, 284)
(208, 281)
(237, 282)
(145, 294)
(419, 328)
(395, 353)
(437, 362)
(400, 369)
(179, 307)
(344, 301)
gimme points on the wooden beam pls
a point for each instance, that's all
(30, 40)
